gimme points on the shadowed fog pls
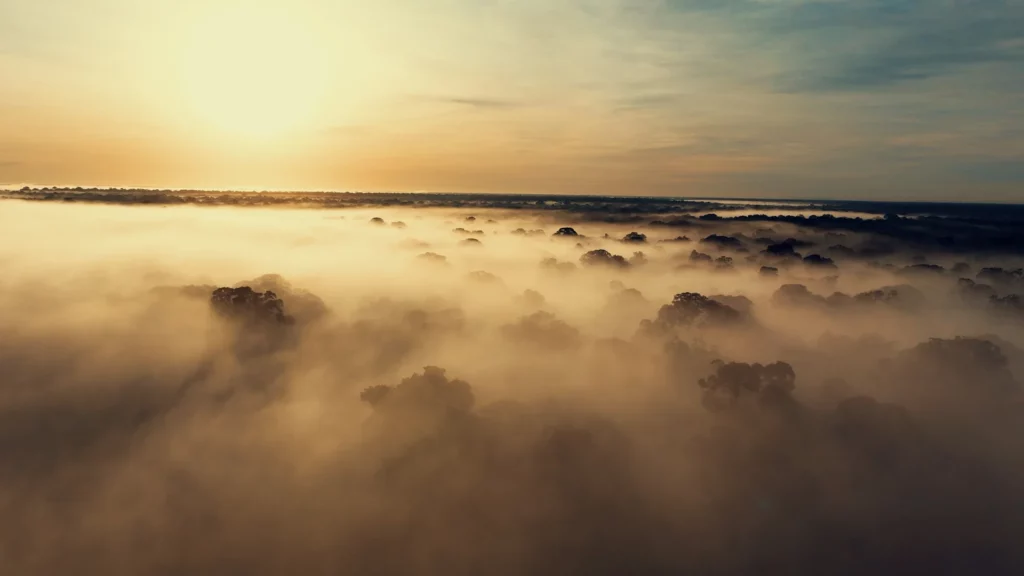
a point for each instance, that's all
(509, 389)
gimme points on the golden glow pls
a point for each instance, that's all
(254, 73)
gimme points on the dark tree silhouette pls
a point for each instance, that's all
(819, 261)
(923, 269)
(693, 309)
(1000, 276)
(626, 297)
(531, 299)
(374, 395)
(841, 250)
(431, 391)
(1010, 303)
(839, 300)
(722, 241)
(302, 305)
(483, 277)
(958, 373)
(566, 231)
(524, 232)
(257, 328)
(733, 380)
(796, 295)
(554, 265)
(699, 257)
(603, 258)
(248, 305)
(972, 292)
(741, 304)
(783, 249)
(543, 329)
(433, 258)
(903, 295)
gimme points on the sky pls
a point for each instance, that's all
(856, 99)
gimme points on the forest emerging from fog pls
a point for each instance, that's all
(199, 383)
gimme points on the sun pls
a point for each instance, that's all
(253, 73)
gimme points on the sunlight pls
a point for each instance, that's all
(254, 73)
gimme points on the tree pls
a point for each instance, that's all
(1009, 303)
(782, 249)
(732, 381)
(430, 391)
(819, 261)
(900, 295)
(722, 241)
(432, 258)
(246, 304)
(699, 257)
(796, 295)
(554, 265)
(957, 373)
(374, 395)
(603, 258)
(694, 309)
(543, 329)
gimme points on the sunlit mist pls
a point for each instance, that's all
(212, 383)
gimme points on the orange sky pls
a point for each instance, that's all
(611, 96)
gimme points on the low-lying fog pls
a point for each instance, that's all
(443, 392)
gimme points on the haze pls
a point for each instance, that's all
(419, 384)
(511, 287)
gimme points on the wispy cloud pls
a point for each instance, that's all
(472, 102)
(645, 101)
(847, 45)
(995, 171)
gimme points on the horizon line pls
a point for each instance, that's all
(79, 188)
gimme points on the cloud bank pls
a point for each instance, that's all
(215, 389)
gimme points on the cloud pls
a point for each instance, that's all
(416, 421)
(1011, 171)
(857, 46)
(861, 45)
(483, 102)
(645, 102)
(473, 102)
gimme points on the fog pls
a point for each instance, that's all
(452, 390)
